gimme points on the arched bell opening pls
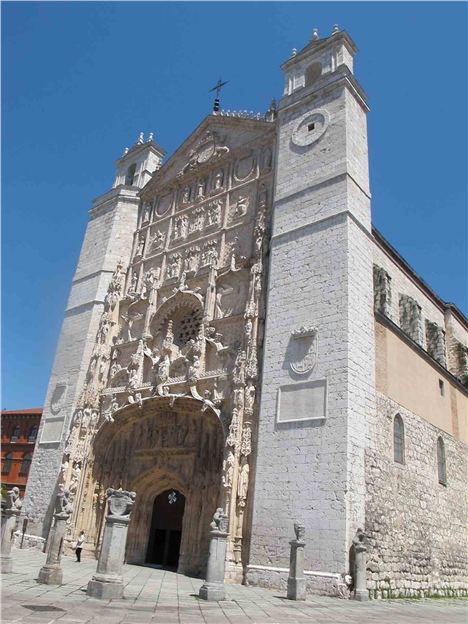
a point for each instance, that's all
(156, 449)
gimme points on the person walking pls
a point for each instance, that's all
(79, 545)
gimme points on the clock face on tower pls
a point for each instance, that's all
(311, 127)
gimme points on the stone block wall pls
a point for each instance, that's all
(416, 526)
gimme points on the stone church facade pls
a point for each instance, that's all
(238, 335)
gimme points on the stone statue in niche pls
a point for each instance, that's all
(201, 189)
(243, 482)
(180, 227)
(140, 246)
(209, 254)
(196, 222)
(213, 215)
(146, 212)
(228, 470)
(186, 194)
(173, 267)
(157, 242)
(218, 180)
(134, 283)
(149, 280)
(191, 259)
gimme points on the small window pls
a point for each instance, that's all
(7, 461)
(130, 177)
(16, 434)
(441, 387)
(398, 440)
(441, 465)
(25, 464)
(33, 434)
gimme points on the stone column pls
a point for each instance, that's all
(51, 573)
(108, 581)
(11, 509)
(213, 587)
(296, 579)
(360, 582)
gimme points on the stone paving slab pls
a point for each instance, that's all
(155, 596)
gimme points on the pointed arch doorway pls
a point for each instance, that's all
(166, 529)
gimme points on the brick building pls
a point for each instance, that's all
(19, 434)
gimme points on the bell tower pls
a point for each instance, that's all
(108, 239)
(318, 366)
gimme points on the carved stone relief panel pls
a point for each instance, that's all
(156, 240)
(240, 202)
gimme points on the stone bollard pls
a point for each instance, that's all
(108, 581)
(296, 579)
(51, 573)
(213, 587)
(360, 582)
(11, 509)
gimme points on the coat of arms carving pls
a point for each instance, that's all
(304, 350)
(204, 150)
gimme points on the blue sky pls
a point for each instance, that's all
(81, 80)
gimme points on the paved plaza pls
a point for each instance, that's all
(153, 595)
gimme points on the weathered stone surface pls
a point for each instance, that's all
(107, 583)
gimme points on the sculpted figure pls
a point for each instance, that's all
(228, 469)
(243, 483)
(186, 195)
(13, 500)
(299, 530)
(218, 181)
(62, 503)
(213, 214)
(141, 246)
(146, 212)
(220, 521)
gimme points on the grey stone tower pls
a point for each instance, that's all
(318, 366)
(108, 238)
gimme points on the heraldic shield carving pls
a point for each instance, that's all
(304, 350)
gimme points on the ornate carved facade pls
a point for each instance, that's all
(170, 397)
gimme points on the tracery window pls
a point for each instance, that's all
(7, 461)
(25, 464)
(441, 464)
(398, 440)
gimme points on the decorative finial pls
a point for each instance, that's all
(150, 137)
(315, 34)
(336, 29)
(125, 151)
(141, 139)
(294, 52)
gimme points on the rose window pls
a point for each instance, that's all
(187, 328)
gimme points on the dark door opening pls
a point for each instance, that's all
(166, 529)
